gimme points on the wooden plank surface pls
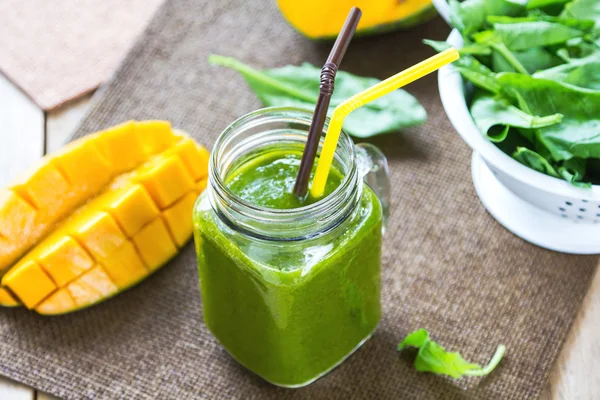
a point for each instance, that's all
(21, 143)
(576, 374)
(25, 132)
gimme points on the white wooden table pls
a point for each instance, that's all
(27, 133)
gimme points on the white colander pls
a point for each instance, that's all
(543, 210)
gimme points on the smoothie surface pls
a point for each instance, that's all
(268, 181)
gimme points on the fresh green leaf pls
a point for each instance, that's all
(537, 59)
(471, 69)
(585, 25)
(573, 171)
(505, 57)
(534, 161)
(496, 112)
(432, 357)
(467, 50)
(583, 9)
(582, 72)
(578, 135)
(525, 35)
(470, 16)
(298, 86)
(531, 4)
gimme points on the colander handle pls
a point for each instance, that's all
(373, 167)
(443, 9)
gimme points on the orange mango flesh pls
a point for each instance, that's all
(318, 19)
(131, 223)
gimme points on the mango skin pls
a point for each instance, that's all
(116, 239)
(323, 19)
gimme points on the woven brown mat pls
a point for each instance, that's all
(447, 265)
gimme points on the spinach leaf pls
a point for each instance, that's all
(470, 16)
(585, 25)
(583, 9)
(471, 69)
(535, 59)
(533, 160)
(496, 112)
(467, 49)
(582, 72)
(525, 35)
(532, 4)
(432, 357)
(298, 86)
(578, 135)
(573, 171)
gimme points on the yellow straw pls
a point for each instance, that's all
(358, 100)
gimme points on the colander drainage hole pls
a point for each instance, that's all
(562, 209)
(580, 217)
(582, 209)
(564, 215)
(568, 203)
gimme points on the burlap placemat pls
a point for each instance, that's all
(61, 49)
(447, 265)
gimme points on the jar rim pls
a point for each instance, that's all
(271, 223)
(344, 140)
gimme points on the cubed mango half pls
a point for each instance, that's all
(98, 217)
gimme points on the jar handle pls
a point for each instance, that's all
(373, 167)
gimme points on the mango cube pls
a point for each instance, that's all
(194, 157)
(91, 287)
(84, 166)
(132, 208)
(179, 219)
(122, 146)
(59, 302)
(44, 187)
(7, 299)
(100, 235)
(17, 215)
(29, 283)
(154, 244)
(125, 267)
(65, 260)
(201, 185)
(166, 181)
(157, 136)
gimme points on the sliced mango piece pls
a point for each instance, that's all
(59, 302)
(29, 283)
(166, 181)
(125, 267)
(179, 219)
(100, 235)
(84, 166)
(65, 261)
(91, 287)
(132, 208)
(17, 216)
(122, 146)
(157, 136)
(201, 185)
(194, 157)
(44, 187)
(7, 299)
(98, 217)
(154, 244)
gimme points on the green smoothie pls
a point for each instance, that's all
(288, 311)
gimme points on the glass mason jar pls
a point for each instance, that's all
(291, 293)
